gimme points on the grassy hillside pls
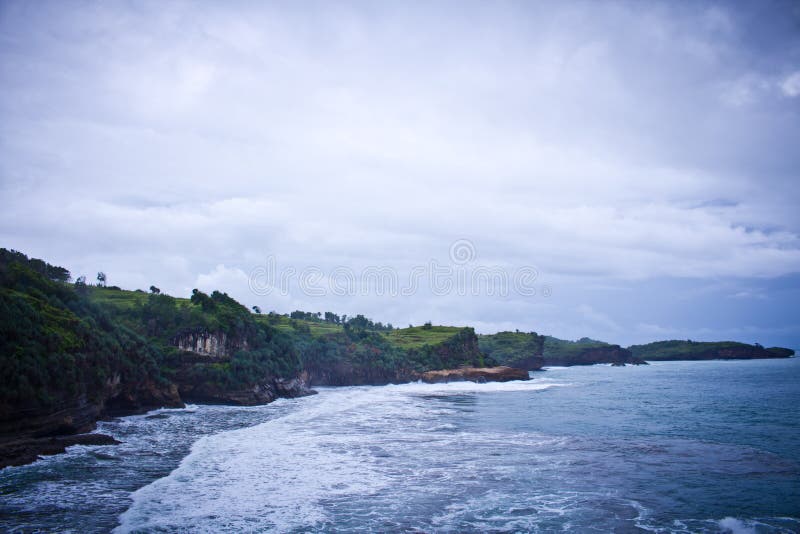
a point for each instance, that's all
(417, 337)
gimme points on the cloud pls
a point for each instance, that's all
(599, 318)
(791, 85)
(204, 139)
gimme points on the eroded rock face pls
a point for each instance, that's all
(138, 398)
(262, 392)
(531, 363)
(293, 387)
(475, 374)
(345, 374)
(27, 450)
(211, 344)
(25, 436)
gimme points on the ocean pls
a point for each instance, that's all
(710, 446)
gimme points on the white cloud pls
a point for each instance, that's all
(202, 140)
(791, 85)
(598, 318)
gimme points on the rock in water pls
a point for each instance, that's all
(475, 374)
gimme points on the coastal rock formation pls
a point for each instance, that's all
(613, 354)
(262, 392)
(706, 350)
(344, 373)
(210, 344)
(26, 434)
(475, 374)
(531, 363)
(26, 450)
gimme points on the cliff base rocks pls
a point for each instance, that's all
(475, 374)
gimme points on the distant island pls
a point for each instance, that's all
(72, 353)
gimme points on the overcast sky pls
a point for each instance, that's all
(643, 157)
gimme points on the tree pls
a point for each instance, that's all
(203, 300)
(80, 285)
(101, 279)
(154, 290)
(257, 310)
(427, 326)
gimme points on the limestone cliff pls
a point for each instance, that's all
(210, 344)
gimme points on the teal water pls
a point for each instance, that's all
(670, 447)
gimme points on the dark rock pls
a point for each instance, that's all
(260, 393)
(475, 374)
(613, 354)
(531, 363)
(25, 451)
(292, 388)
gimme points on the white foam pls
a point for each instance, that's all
(731, 525)
(289, 472)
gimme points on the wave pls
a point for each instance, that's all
(341, 447)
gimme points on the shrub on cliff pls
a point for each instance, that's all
(55, 345)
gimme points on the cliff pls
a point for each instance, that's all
(701, 350)
(201, 342)
(515, 349)
(532, 351)
(474, 374)
(68, 359)
(27, 433)
(356, 357)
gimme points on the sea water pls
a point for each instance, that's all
(669, 447)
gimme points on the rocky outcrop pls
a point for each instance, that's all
(344, 373)
(613, 354)
(26, 450)
(531, 363)
(209, 344)
(706, 350)
(139, 398)
(26, 434)
(475, 374)
(262, 392)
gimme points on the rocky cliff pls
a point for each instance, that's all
(201, 342)
(475, 374)
(613, 354)
(25, 434)
(706, 350)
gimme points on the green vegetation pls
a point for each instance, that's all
(508, 348)
(703, 350)
(416, 337)
(562, 349)
(60, 342)
(57, 346)
(162, 319)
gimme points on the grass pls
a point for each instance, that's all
(120, 298)
(281, 322)
(418, 336)
(406, 338)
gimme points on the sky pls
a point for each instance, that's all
(635, 164)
